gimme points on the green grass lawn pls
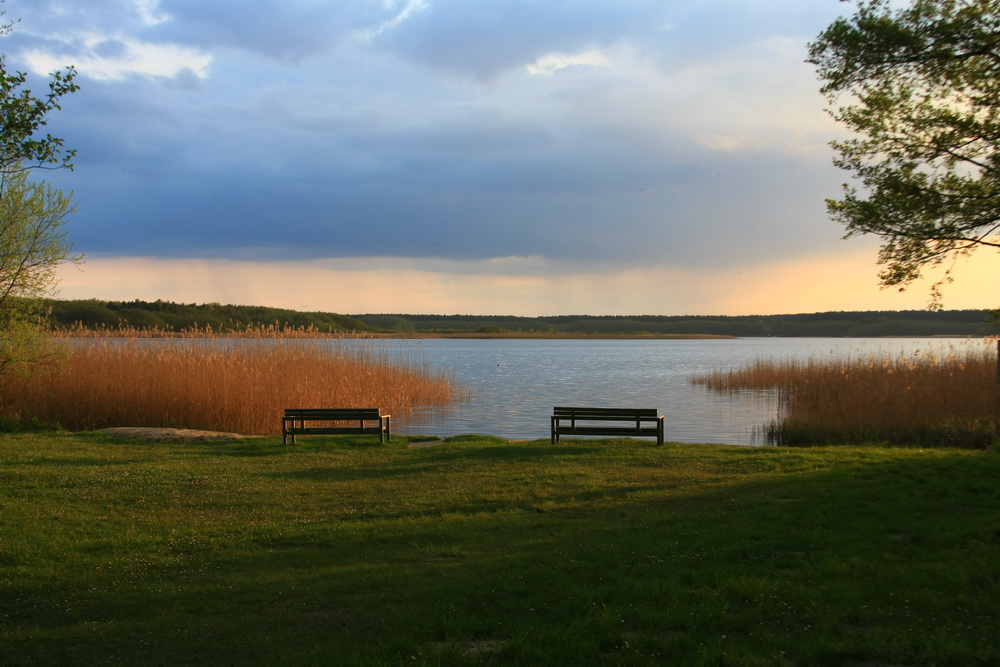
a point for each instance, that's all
(340, 551)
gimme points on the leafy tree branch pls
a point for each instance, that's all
(919, 87)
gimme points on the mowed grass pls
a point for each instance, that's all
(474, 551)
(921, 399)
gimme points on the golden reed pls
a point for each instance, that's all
(200, 379)
(919, 399)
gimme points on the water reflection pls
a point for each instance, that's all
(515, 383)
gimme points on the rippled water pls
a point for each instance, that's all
(516, 383)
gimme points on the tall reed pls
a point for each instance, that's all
(920, 399)
(237, 330)
(216, 382)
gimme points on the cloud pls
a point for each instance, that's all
(551, 63)
(103, 39)
(560, 201)
(617, 161)
(289, 32)
(103, 58)
(671, 140)
(483, 39)
(841, 279)
(406, 9)
(149, 12)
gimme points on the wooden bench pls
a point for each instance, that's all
(351, 421)
(626, 422)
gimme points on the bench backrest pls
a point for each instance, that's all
(332, 414)
(611, 414)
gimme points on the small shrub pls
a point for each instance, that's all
(10, 424)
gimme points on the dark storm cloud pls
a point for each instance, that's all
(287, 31)
(483, 38)
(660, 132)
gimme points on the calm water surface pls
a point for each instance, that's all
(515, 383)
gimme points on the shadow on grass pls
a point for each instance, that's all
(450, 454)
(504, 451)
(83, 461)
(438, 462)
(890, 563)
(885, 562)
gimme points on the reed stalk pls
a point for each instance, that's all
(216, 381)
(920, 399)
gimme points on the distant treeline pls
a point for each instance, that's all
(848, 324)
(93, 313)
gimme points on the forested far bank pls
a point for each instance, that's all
(835, 324)
(169, 316)
(165, 315)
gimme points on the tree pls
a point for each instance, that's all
(33, 241)
(23, 115)
(923, 99)
(32, 238)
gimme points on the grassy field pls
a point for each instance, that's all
(481, 551)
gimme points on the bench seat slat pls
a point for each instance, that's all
(598, 430)
(631, 412)
(338, 413)
(615, 420)
(332, 430)
(294, 422)
(564, 422)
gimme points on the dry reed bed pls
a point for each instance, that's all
(239, 385)
(920, 399)
(237, 330)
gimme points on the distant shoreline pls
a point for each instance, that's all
(161, 316)
(547, 336)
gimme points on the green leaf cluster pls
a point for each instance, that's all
(919, 88)
(23, 115)
(33, 240)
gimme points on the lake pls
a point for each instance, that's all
(514, 383)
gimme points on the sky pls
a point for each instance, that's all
(510, 157)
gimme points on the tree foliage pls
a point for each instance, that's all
(24, 114)
(165, 315)
(922, 98)
(33, 240)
